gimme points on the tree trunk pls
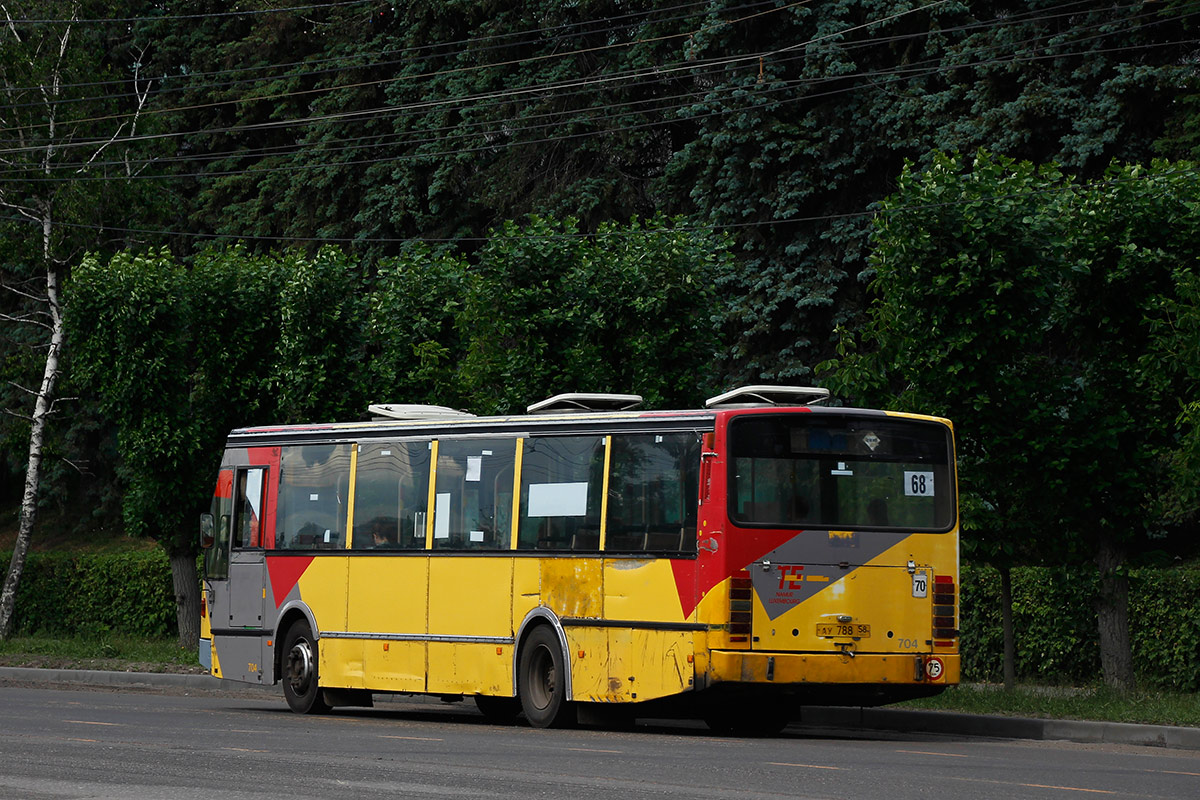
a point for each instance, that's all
(1112, 616)
(37, 431)
(187, 595)
(1006, 617)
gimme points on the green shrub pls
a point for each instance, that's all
(1054, 620)
(90, 595)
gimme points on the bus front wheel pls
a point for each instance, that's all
(301, 683)
(541, 683)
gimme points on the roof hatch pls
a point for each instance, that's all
(586, 401)
(405, 411)
(769, 396)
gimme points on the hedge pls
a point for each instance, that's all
(1054, 619)
(84, 594)
(1053, 614)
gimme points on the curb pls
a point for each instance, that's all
(947, 722)
(881, 719)
(136, 680)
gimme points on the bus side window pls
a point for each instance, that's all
(247, 526)
(313, 486)
(216, 558)
(562, 479)
(653, 493)
(473, 496)
(390, 496)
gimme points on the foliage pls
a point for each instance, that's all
(176, 355)
(317, 367)
(95, 593)
(1015, 301)
(628, 310)
(1175, 353)
(783, 121)
(1054, 615)
(795, 143)
(416, 298)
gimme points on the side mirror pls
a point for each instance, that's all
(206, 531)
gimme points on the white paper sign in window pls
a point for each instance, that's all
(474, 468)
(441, 516)
(918, 484)
(558, 499)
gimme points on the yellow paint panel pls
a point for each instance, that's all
(388, 596)
(527, 592)
(341, 662)
(590, 673)
(645, 664)
(641, 589)
(323, 588)
(470, 596)
(885, 669)
(394, 666)
(878, 595)
(457, 668)
(571, 587)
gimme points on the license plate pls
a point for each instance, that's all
(854, 630)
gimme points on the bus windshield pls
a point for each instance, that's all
(832, 472)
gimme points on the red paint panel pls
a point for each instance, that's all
(224, 488)
(284, 573)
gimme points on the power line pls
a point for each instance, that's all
(473, 42)
(371, 113)
(441, 73)
(909, 71)
(181, 17)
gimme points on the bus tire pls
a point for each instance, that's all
(301, 679)
(541, 680)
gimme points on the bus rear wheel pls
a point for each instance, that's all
(541, 680)
(301, 681)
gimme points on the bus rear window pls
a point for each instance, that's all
(832, 472)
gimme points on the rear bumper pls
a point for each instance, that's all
(205, 654)
(806, 669)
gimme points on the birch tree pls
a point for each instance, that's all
(54, 136)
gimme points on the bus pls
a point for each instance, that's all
(733, 563)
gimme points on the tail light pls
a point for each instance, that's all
(944, 611)
(741, 595)
(203, 604)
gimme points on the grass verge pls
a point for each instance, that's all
(108, 651)
(1098, 703)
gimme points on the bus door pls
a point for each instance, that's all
(235, 573)
(847, 591)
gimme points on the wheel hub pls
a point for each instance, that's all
(300, 666)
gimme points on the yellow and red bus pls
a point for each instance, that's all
(736, 561)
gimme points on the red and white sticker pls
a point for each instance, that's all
(934, 668)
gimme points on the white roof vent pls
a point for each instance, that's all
(403, 411)
(769, 396)
(585, 401)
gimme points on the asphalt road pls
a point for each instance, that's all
(141, 744)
